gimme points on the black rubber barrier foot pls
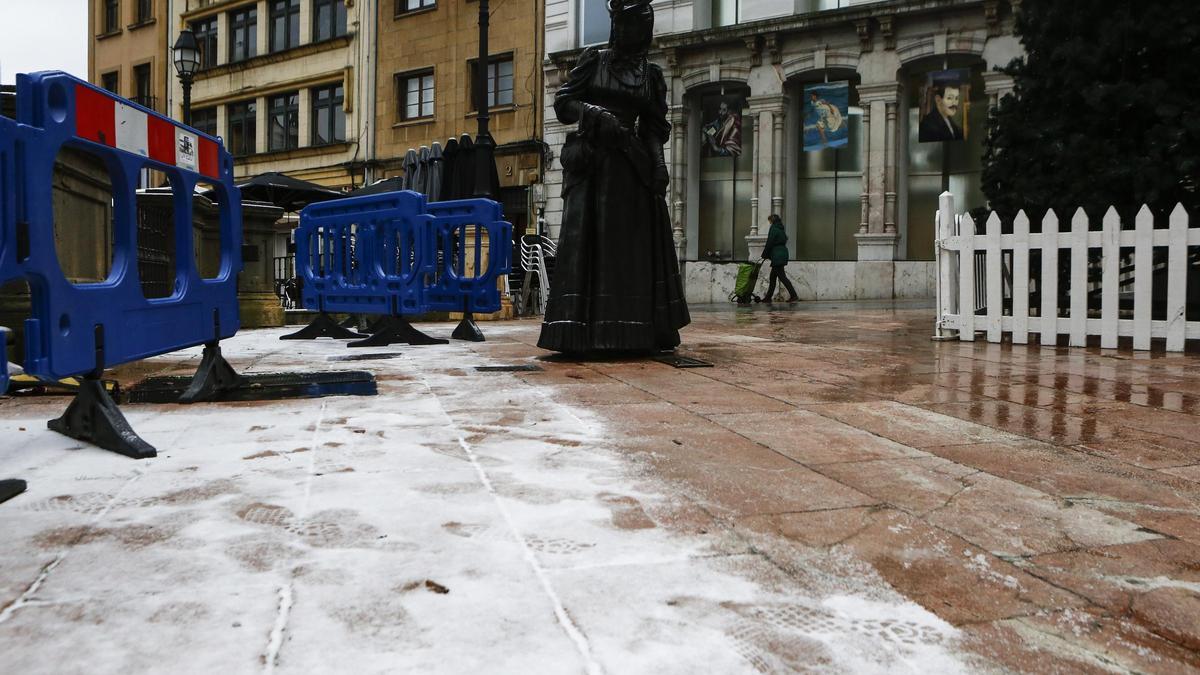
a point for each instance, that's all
(467, 329)
(394, 330)
(94, 417)
(322, 326)
(213, 378)
(10, 488)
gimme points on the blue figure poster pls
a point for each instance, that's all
(826, 115)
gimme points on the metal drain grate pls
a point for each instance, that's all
(524, 368)
(682, 361)
(365, 357)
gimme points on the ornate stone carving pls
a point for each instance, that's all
(863, 26)
(885, 29)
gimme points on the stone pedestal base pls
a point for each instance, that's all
(877, 247)
(754, 244)
(260, 309)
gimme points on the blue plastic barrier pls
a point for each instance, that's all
(81, 329)
(3, 360)
(84, 328)
(396, 254)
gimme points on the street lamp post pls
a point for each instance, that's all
(186, 55)
(485, 158)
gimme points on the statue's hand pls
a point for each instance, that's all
(605, 125)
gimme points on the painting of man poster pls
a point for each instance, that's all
(944, 102)
(826, 115)
(723, 128)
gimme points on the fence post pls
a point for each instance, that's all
(947, 287)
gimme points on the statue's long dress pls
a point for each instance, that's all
(616, 282)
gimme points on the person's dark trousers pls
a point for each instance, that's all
(778, 273)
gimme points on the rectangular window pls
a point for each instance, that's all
(499, 82)
(145, 10)
(241, 119)
(243, 34)
(285, 24)
(406, 6)
(724, 12)
(328, 117)
(329, 19)
(112, 16)
(416, 94)
(205, 119)
(141, 86)
(594, 22)
(206, 35)
(111, 81)
(283, 121)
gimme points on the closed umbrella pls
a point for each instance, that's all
(433, 179)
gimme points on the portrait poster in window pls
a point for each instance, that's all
(826, 115)
(722, 130)
(945, 102)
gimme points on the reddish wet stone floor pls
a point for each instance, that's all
(1044, 500)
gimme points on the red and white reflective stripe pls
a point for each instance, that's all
(106, 120)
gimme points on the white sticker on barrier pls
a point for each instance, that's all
(186, 148)
(131, 130)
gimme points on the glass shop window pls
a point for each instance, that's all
(829, 171)
(726, 172)
(951, 156)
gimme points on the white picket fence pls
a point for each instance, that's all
(984, 272)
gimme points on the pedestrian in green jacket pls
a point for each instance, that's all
(776, 251)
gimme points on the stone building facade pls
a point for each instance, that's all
(128, 51)
(427, 52)
(288, 84)
(859, 218)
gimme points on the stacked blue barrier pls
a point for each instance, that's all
(81, 329)
(396, 254)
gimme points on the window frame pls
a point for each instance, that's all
(145, 11)
(335, 104)
(205, 30)
(338, 26)
(200, 115)
(116, 81)
(239, 20)
(111, 14)
(493, 80)
(581, 13)
(402, 80)
(291, 24)
(249, 116)
(139, 96)
(290, 113)
(402, 8)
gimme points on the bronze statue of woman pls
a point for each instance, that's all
(616, 284)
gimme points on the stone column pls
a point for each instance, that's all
(678, 193)
(769, 169)
(877, 235)
(996, 85)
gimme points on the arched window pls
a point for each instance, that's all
(828, 170)
(726, 173)
(936, 165)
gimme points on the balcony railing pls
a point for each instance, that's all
(150, 102)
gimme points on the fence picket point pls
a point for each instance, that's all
(1109, 281)
(1143, 277)
(1177, 279)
